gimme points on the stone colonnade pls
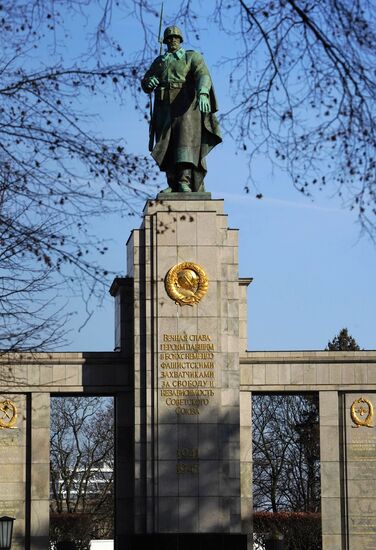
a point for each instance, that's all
(344, 380)
(348, 454)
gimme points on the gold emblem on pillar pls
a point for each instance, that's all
(186, 283)
(362, 413)
(8, 414)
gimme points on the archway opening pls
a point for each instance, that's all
(82, 472)
(286, 471)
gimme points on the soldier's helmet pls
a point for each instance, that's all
(172, 31)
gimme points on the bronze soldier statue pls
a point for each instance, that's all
(183, 123)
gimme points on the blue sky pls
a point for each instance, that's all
(313, 273)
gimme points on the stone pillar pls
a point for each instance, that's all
(243, 313)
(13, 471)
(25, 470)
(124, 460)
(246, 463)
(186, 373)
(122, 290)
(330, 471)
(39, 457)
(360, 469)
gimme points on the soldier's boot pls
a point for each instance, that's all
(184, 178)
(198, 184)
(172, 188)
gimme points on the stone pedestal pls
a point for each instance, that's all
(360, 469)
(330, 466)
(186, 375)
(13, 474)
(25, 466)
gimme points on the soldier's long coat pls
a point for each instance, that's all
(182, 133)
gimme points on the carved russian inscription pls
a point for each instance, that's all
(360, 457)
(187, 372)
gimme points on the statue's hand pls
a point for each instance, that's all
(152, 83)
(204, 103)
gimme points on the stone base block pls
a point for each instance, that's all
(200, 196)
(184, 541)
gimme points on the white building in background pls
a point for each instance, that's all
(102, 545)
(100, 477)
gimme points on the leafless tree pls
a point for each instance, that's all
(302, 79)
(303, 88)
(56, 172)
(286, 453)
(286, 468)
(82, 462)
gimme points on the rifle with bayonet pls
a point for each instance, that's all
(151, 125)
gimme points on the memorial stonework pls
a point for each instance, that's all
(12, 459)
(183, 380)
(360, 471)
(185, 330)
(24, 459)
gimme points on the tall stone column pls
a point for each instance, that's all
(13, 470)
(186, 372)
(359, 475)
(332, 536)
(246, 463)
(25, 467)
(39, 465)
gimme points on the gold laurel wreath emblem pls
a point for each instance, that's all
(186, 283)
(358, 409)
(8, 415)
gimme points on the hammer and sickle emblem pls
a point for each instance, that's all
(186, 283)
(8, 414)
(362, 413)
